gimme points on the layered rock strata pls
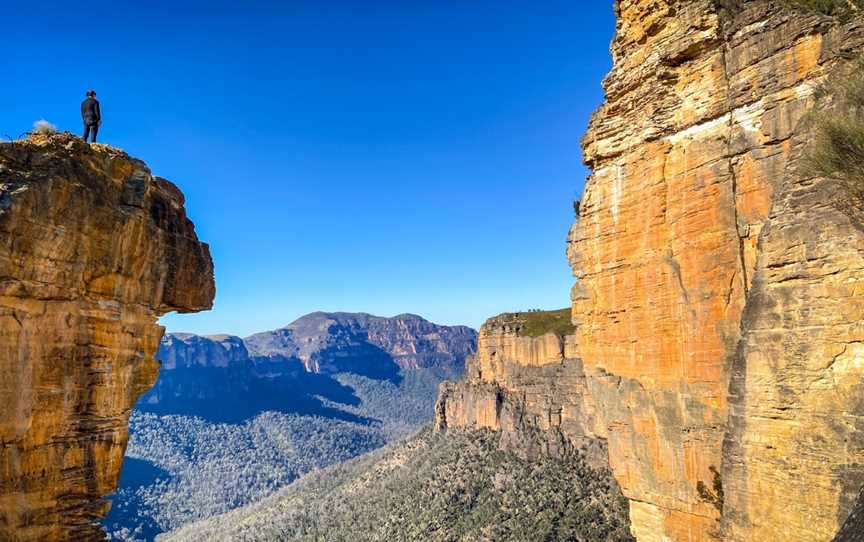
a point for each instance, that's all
(720, 292)
(531, 388)
(93, 249)
(189, 351)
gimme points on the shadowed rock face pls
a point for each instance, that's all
(853, 529)
(216, 379)
(93, 249)
(188, 351)
(369, 345)
(226, 378)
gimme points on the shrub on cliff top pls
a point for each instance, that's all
(539, 323)
(841, 8)
(827, 7)
(836, 149)
(44, 127)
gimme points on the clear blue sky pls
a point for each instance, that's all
(377, 156)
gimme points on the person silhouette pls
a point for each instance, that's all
(91, 115)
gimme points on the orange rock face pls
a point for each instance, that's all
(532, 389)
(93, 249)
(718, 357)
(714, 290)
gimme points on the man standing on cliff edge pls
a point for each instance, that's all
(91, 115)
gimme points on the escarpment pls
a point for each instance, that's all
(717, 354)
(93, 249)
(532, 388)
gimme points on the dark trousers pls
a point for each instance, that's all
(90, 127)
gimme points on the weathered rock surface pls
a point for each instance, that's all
(719, 294)
(853, 529)
(93, 249)
(532, 389)
(718, 351)
(187, 351)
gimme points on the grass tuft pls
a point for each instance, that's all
(539, 323)
(839, 8)
(836, 148)
(832, 8)
(43, 127)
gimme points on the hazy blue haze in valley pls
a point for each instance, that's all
(347, 155)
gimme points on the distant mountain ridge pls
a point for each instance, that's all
(320, 340)
(229, 378)
(231, 420)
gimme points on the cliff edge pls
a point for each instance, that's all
(93, 249)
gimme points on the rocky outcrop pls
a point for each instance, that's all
(531, 388)
(718, 305)
(93, 249)
(719, 293)
(187, 351)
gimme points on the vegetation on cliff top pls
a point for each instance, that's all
(827, 7)
(539, 323)
(841, 8)
(836, 149)
(435, 488)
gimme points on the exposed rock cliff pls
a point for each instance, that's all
(719, 294)
(719, 299)
(531, 388)
(93, 249)
(334, 342)
(187, 351)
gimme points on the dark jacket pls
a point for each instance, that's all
(90, 112)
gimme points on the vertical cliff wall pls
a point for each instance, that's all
(93, 249)
(717, 361)
(531, 387)
(718, 299)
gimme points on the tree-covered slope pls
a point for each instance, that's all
(455, 486)
(230, 421)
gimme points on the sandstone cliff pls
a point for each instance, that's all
(718, 350)
(187, 351)
(531, 388)
(93, 249)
